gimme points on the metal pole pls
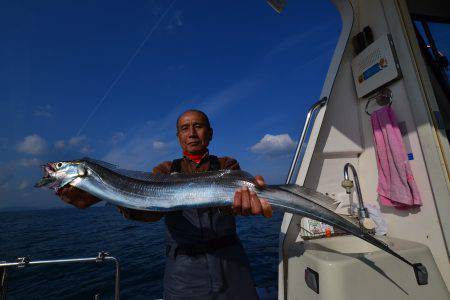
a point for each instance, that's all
(302, 139)
(101, 257)
(117, 283)
(300, 144)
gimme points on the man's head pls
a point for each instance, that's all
(194, 131)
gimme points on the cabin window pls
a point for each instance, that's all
(434, 42)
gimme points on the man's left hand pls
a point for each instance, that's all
(247, 203)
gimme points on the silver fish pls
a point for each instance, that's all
(147, 191)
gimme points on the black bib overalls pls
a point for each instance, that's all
(205, 259)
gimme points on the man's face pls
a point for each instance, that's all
(193, 133)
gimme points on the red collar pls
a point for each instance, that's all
(195, 157)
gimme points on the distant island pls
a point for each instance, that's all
(28, 208)
(20, 208)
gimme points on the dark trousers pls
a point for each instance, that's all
(189, 277)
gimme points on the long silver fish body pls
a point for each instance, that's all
(147, 191)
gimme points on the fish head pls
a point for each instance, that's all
(61, 173)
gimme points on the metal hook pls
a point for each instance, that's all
(382, 97)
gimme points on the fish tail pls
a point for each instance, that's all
(420, 271)
(325, 212)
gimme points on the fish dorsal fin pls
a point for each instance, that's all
(140, 175)
(104, 164)
(202, 176)
(175, 177)
(311, 195)
(318, 198)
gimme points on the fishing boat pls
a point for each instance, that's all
(338, 132)
(386, 55)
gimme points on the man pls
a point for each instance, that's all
(205, 259)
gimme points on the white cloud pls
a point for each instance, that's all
(60, 144)
(76, 140)
(159, 146)
(274, 145)
(141, 151)
(86, 149)
(117, 137)
(75, 143)
(29, 162)
(43, 111)
(32, 144)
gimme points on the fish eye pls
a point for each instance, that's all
(59, 165)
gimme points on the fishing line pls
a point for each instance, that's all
(130, 60)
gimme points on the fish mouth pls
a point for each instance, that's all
(48, 168)
(52, 179)
(47, 180)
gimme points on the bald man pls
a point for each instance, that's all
(205, 258)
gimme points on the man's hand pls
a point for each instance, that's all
(247, 203)
(76, 196)
(140, 215)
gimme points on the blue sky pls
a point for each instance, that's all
(107, 79)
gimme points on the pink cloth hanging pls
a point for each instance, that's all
(396, 185)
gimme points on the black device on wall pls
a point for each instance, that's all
(362, 39)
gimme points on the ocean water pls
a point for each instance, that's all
(72, 233)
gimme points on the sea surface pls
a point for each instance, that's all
(74, 233)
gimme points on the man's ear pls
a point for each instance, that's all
(210, 134)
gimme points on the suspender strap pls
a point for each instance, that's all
(214, 163)
(176, 166)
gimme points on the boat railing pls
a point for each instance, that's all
(312, 112)
(308, 122)
(23, 262)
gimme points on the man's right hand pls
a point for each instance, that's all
(76, 196)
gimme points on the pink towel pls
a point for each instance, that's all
(396, 185)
